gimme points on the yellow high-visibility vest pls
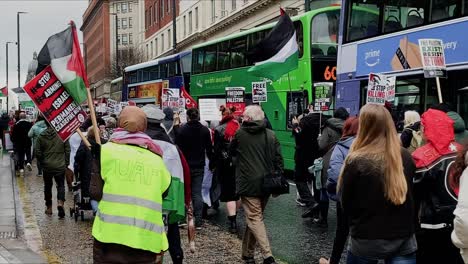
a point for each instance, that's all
(130, 212)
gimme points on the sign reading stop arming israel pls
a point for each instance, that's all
(381, 88)
(55, 103)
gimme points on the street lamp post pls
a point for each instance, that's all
(116, 43)
(6, 58)
(18, 44)
(174, 33)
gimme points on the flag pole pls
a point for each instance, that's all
(85, 140)
(439, 91)
(93, 117)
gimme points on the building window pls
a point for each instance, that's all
(162, 42)
(151, 20)
(169, 39)
(168, 5)
(234, 3)
(118, 23)
(151, 49)
(118, 39)
(162, 8)
(213, 11)
(185, 25)
(246, 1)
(124, 39)
(117, 7)
(130, 38)
(124, 8)
(223, 8)
(190, 22)
(124, 23)
(155, 11)
(130, 7)
(130, 22)
(146, 19)
(156, 48)
(147, 51)
(196, 18)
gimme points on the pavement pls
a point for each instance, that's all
(13, 246)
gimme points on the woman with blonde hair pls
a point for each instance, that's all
(411, 137)
(375, 187)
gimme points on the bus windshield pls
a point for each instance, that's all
(324, 33)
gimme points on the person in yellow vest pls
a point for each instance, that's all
(129, 180)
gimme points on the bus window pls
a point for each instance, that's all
(324, 32)
(399, 15)
(185, 63)
(209, 62)
(364, 19)
(154, 72)
(172, 69)
(197, 61)
(300, 37)
(238, 50)
(163, 71)
(224, 58)
(443, 9)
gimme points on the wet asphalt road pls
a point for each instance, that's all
(293, 239)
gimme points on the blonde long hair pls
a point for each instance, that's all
(377, 140)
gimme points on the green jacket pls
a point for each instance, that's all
(461, 133)
(248, 149)
(52, 152)
(36, 130)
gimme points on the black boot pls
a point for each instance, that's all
(233, 224)
(323, 220)
(269, 260)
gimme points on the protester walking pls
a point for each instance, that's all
(225, 171)
(168, 123)
(4, 120)
(434, 201)
(249, 149)
(129, 182)
(34, 133)
(376, 194)
(412, 136)
(338, 156)
(22, 143)
(173, 203)
(331, 133)
(54, 156)
(459, 183)
(194, 140)
(306, 132)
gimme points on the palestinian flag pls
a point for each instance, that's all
(4, 92)
(277, 53)
(62, 52)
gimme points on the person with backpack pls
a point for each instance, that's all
(411, 137)
(435, 203)
(338, 156)
(376, 193)
(459, 183)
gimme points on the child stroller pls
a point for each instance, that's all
(80, 185)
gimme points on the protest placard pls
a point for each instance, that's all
(235, 98)
(390, 83)
(433, 58)
(111, 105)
(376, 89)
(55, 103)
(209, 108)
(170, 97)
(259, 92)
(323, 94)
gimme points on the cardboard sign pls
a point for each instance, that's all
(111, 105)
(433, 58)
(390, 84)
(209, 109)
(323, 94)
(56, 104)
(170, 97)
(235, 97)
(259, 92)
(376, 89)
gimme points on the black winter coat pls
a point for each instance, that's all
(195, 141)
(83, 164)
(305, 135)
(20, 136)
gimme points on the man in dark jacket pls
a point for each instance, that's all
(54, 157)
(256, 152)
(22, 143)
(195, 142)
(4, 120)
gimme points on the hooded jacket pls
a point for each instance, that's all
(37, 129)
(256, 152)
(460, 223)
(331, 133)
(435, 202)
(340, 152)
(461, 134)
(52, 152)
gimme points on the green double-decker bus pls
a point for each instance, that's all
(223, 63)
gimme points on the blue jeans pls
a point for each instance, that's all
(408, 259)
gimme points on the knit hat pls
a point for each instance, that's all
(132, 119)
(153, 113)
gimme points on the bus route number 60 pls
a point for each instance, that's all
(330, 74)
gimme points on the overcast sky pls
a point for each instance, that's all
(44, 19)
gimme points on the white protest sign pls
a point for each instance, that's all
(433, 57)
(111, 106)
(390, 83)
(170, 97)
(259, 92)
(376, 89)
(209, 109)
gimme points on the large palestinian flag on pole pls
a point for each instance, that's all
(277, 53)
(62, 52)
